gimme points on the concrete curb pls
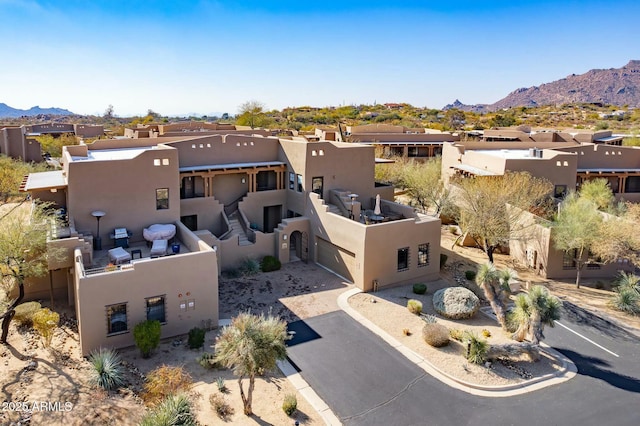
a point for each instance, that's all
(301, 386)
(567, 372)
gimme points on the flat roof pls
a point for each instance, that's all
(44, 180)
(510, 154)
(607, 170)
(113, 154)
(401, 142)
(231, 166)
(609, 139)
(475, 170)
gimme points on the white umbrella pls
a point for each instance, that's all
(377, 210)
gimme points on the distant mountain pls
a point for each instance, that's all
(614, 86)
(7, 112)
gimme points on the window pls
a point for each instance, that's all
(423, 255)
(633, 184)
(559, 191)
(162, 198)
(403, 259)
(292, 180)
(317, 185)
(117, 318)
(299, 183)
(155, 309)
(569, 259)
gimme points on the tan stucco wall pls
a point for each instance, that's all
(254, 202)
(180, 277)
(209, 211)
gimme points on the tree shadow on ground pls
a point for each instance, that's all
(603, 326)
(596, 368)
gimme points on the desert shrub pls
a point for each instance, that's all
(221, 385)
(147, 336)
(220, 406)
(207, 360)
(626, 300)
(107, 372)
(486, 333)
(165, 381)
(456, 334)
(250, 267)
(175, 410)
(289, 404)
(45, 322)
(414, 306)
(476, 348)
(196, 338)
(420, 288)
(443, 260)
(270, 263)
(436, 335)
(429, 319)
(470, 275)
(25, 311)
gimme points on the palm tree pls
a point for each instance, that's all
(250, 345)
(533, 311)
(489, 279)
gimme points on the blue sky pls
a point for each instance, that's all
(180, 57)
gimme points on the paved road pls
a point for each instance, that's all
(366, 382)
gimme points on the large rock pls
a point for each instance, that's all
(456, 302)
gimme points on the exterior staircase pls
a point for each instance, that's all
(237, 230)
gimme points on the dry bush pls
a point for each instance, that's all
(414, 306)
(165, 381)
(220, 406)
(436, 335)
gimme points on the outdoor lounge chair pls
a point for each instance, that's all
(159, 248)
(119, 255)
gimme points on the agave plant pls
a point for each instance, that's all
(626, 299)
(172, 411)
(627, 280)
(107, 370)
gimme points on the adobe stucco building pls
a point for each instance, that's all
(230, 197)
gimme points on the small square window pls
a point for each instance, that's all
(156, 162)
(117, 318)
(183, 306)
(191, 304)
(162, 198)
(165, 161)
(403, 259)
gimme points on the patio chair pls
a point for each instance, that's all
(159, 248)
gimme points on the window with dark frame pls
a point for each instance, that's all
(292, 181)
(423, 254)
(156, 308)
(299, 183)
(403, 259)
(117, 318)
(317, 184)
(162, 198)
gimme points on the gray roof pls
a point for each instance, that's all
(257, 164)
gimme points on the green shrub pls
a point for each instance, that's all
(165, 381)
(476, 348)
(443, 260)
(220, 406)
(428, 318)
(207, 360)
(107, 371)
(270, 263)
(45, 322)
(414, 306)
(175, 410)
(626, 299)
(290, 404)
(222, 387)
(196, 338)
(147, 336)
(25, 311)
(420, 288)
(470, 275)
(436, 335)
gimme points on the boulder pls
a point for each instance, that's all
(456, 303)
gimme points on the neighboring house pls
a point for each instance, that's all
(566, 164)
(231, 197)
(510, 134)
(20, 142)
(400, 141)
